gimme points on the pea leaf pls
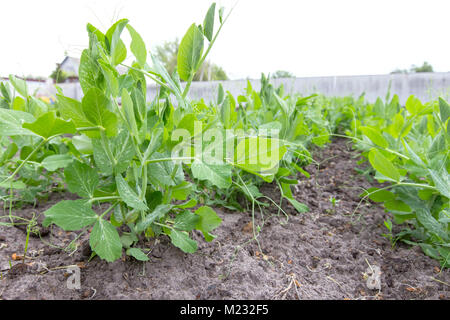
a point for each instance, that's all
(208, 23)
(156, 214)
(81, 179)
(128, 195)
(87, 71)
(137, 46)
(383, 165)
(19, 84)
(71, 109)
(11, 123)
(209, 220)
(444, 109)
(95, 108)
(379, 195)
(374, 136)
(218, 174)
(138, 254)
(49, 125)
(57, 161)
(71, 215)
(105, 241)
(181, 240)
(186, 221)
(190, 52)
(441, 181)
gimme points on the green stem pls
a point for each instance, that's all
(104, 199)
(108, 210)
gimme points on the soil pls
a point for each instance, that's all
(326, 253)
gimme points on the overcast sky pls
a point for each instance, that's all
(307, 38)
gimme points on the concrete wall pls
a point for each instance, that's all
(425, 86)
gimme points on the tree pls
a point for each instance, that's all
(282, 74)
(167, 53)
(426, 67)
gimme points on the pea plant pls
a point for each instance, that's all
(125, 150)
(409, 147)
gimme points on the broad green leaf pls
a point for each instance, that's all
(71, 109)
(49, 125)
(160, 173)
(430, 223)
(111, 76)
(57, 161)
(374, 136)
(88, 71)
(379, 195)
(186, 221)
(208, 23)
(118, 51)
(19, 104)
(209, 220)
(16, 185)
(95, 108)
(122, 151)
(20, 85)
(441, 181)
(181, 240)
(218, 174)
(444, 109)
(190, 204)
(105, 241)
(137, 46)
(155, 215)
(138, 254)
(190, 52)
(71, 215)
(128, 195)
(83, 144)
(413, 105)
(300, 207)
(127, 106)
(81, 179)
(397, 205)
(383, 165)
(11, 123)
(182, 191)
(259, 154)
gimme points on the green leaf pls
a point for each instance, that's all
(300, 207)
(181, 240)
(81, 179)
(182, 191)
(95, 108)
(137, 46)
(71, 215)
(444, 109)
(138, 254)
(209, 220)
(11, 123)
(186, 221)
(160, 173)
(374, 136)
(383, 165)
(441, 181)
(379, 195)
(218, 174)
(397, 205)
(105, 241)
(49, 125)
(20, 85)
(208, 23)
(57, 161)
(155, 215)
(118, 51)
(259, 154)
(127, 105)
(430, 223)
(413, 105)
(87, 71)
(71, 109)
(122, 151)
(190, 52)
(128, 195)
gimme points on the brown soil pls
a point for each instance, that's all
(322, 254)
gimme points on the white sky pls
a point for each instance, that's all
(307, 38)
